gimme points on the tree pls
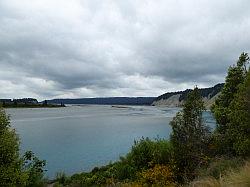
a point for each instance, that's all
(236, 76)
(243, 61)
(16, 170)
(190, 137)
(239, 117)
(34, 169)
(10, 164)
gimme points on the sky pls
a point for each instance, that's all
(100, 48)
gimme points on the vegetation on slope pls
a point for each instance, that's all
(205, 92)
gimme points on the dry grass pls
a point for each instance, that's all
(239, 178)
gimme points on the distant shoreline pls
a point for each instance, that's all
(34, 106)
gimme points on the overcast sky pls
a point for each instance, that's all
(90, 48)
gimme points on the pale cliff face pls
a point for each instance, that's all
(173, 101)
(209, 102)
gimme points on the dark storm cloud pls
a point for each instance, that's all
(113, 48)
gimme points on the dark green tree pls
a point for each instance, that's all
(14, 170)
(190, 137)
(239, 120)
(34, 169)
(243, 61)
(236, 76)
(10, 163)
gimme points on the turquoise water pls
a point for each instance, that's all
(78, 138)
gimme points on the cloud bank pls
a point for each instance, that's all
(91, 48)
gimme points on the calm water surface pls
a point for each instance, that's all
(78, 138)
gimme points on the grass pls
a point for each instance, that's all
(236, 178)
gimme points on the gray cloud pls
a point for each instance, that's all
(117, 48)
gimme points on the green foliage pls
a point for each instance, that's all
(146, 153)
(221, 109)
(190, 137)
(10, 164)
(61, 178)
(4, 121)
(239, 119)
(34, 169)
(16, 171)
(243, 61)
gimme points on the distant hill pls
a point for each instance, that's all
(107, 101)
(177, 98)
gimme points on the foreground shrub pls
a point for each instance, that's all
(61, 178)
(145, 154)
(159, 175)
(34, 169)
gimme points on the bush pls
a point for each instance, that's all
(34, 169)
(61, 178)
(159, 175)
(146, 153)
